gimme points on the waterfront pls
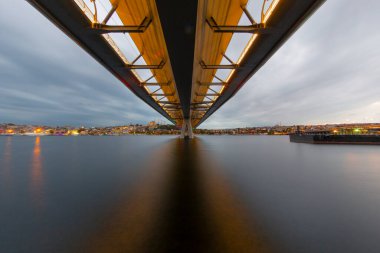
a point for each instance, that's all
(153, 128)
(211, 194)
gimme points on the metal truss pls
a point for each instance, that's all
(155, 84)
(104, 28)
(162, 94)
(155, 92)
(200, 108)
(132, 65)
(214, 94)
(210, 100)
(212, 84)
(222, 66)
(253, 28)
(147, 83)
(201, 103)
(168, 103)
(171, 107)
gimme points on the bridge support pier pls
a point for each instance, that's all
(187, 130)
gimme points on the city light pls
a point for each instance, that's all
(154, 128)
(74, 132)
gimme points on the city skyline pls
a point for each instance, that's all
(49, 80)
(154, 128)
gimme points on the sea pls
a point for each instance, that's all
(165, 194)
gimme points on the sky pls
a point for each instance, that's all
(327, 72)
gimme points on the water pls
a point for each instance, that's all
(162, 194)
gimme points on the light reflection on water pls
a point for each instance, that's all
(162, 194)
(6, 163)
(36, 182)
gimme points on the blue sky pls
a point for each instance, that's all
(328, 72)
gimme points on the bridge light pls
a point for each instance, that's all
(253, 38)
(147, 89)
(270, 10)
(229, 76)
(222, 89)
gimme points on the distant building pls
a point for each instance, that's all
(152, 125)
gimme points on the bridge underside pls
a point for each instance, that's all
(186, 60)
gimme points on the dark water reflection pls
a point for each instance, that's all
(180, 205)
(162, 194)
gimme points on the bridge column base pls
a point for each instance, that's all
(187, 130)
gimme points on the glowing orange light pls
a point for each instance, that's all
(37, 149)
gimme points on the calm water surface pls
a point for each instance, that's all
(211, 194)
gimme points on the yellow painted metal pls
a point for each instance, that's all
(151, 43)
(209, 45)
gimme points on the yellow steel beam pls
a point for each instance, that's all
(210, 46)
(150, 43)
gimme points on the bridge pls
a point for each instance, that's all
(183, 58)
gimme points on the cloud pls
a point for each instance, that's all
(45, 78)
(327, 72)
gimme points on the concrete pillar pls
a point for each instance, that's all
(187, 130)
